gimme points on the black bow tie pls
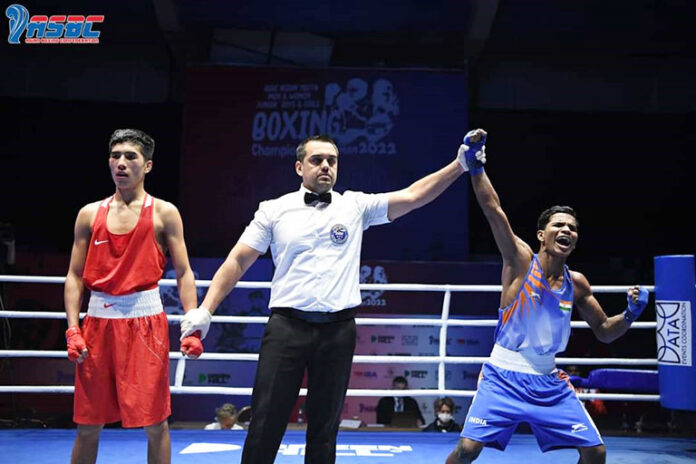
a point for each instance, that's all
(310, 197)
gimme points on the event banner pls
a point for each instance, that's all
(242, 125)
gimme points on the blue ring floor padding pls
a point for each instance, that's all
(42, 446)
(624, 380)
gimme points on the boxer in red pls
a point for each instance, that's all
(122, 349)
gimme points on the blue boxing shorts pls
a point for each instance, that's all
(547, 402)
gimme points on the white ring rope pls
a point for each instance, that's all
(25, 279)
(358, 320)
(442, 359)
(360, 359)
(245, 391)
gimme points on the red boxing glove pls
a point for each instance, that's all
(77, 348)
(192, 346)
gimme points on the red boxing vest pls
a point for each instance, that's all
(119, 264)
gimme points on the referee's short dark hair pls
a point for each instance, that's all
(301, 150)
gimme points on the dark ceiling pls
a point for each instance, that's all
(331, 17)
(597, 28)
(407, 33)
(545, 70)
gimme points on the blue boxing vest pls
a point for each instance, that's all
(538, 319)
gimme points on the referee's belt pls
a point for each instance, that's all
(316, 317)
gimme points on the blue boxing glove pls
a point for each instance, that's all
(637, 298)
(472, 153)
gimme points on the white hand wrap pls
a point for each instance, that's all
(461, 156)
(194, 320)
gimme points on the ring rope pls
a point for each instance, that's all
(443, 322)
(358, 320)
(393, 287)
(246, 391)
(359, 359)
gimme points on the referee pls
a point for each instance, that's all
(315, 235)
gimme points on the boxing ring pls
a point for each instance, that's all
(193, 446)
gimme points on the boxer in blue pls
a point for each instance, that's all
(520, 382)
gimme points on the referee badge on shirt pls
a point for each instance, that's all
(339, 234)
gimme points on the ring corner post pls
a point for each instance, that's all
(675, 311)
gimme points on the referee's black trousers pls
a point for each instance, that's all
(289, 347)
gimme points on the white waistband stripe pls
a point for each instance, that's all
(138, 304)
(523, 361)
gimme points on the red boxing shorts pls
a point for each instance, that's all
(126, 375)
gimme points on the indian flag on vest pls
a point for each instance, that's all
(565, 305)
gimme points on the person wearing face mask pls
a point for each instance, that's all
(444, 420)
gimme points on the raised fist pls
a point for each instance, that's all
(472, 153)
(637, 298)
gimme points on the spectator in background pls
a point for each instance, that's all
(225, 419)
(444, 419)
(388, 405)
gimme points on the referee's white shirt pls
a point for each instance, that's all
(316, 247)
